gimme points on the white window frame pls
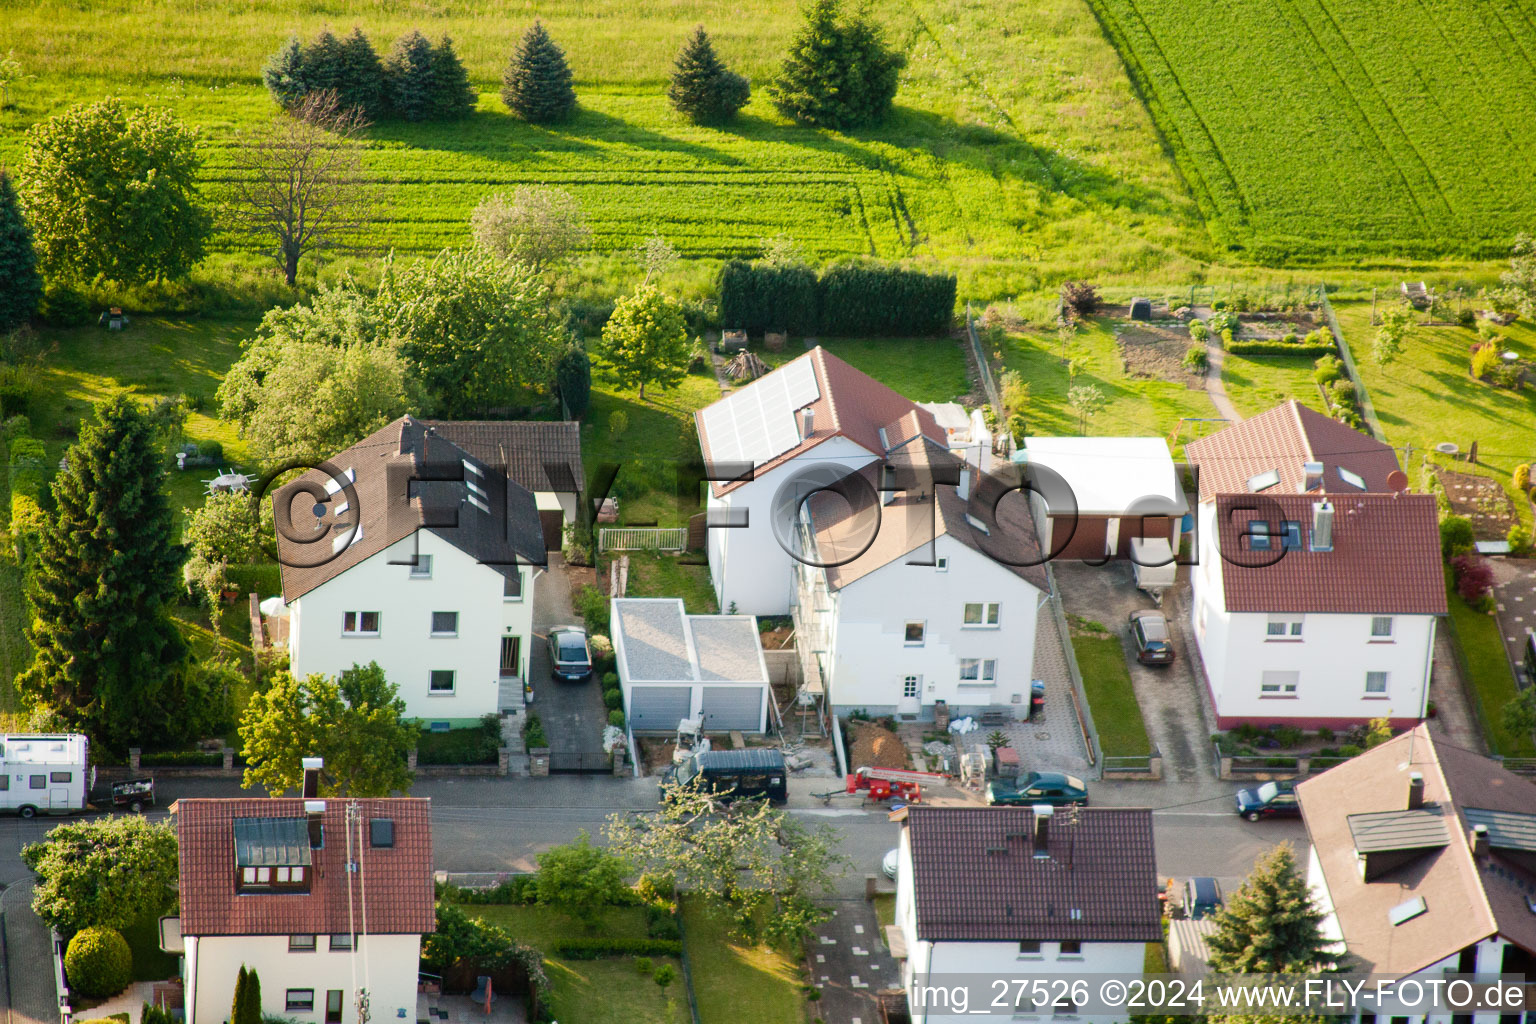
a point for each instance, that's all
(522, 585)
(990, 615)
(1386, 637)
(453, 685)
(941, 564)
(922, 633)
(985, 670)
(1290, 626)
(912, 683)
(296, 944)
(291, 1006)
(1386, 684)
(1271, 683)
(356, 620)
(421, 569)
(432, 624)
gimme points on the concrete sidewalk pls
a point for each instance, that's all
(29, 994)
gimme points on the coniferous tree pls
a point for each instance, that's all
(839, 72)
(284, 74)
(20, 283)
(107, 568)
(324, 63)
(453, 97)
(411, 77)
(241, 987)
(1271, 925)
(703, 89)
(537, 83)
(361, 84)
(247, 1004)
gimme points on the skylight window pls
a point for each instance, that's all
(1405, 912)
(1353, 479)
(471, 467)
(1264, 480)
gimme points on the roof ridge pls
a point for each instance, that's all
(1301, 430)
(818, 357)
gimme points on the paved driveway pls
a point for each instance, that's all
(1172, 697)
(573, 713)
(1514, 590)
(850, 963)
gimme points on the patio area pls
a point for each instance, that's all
(436, 1008)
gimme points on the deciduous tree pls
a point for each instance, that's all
(355, 722)
(541, 226)
(20, 283)
(1396, 320)
(1085, 400)
(11, 72)
(111, 872)
(299, 186)
(580, 879)
(1519, 280)
(1519, 715)
(764, 867)
(111, 191)
(645, 341)
(839, 72)
(703, 89)
(106, 569)
(1271, 925)
(226, 529)
(536, 85)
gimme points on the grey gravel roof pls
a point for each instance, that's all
(728, 648)
(659, 643)
(654, 641)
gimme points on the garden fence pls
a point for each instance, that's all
(1079, 695)
(642, 538)
(983, 368)
(1349, 365)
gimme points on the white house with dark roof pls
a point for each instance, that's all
(324, 899)
(1319, 576)
(1013, 893)
(928, 593)
(1423, 857)
(796, 428)
(673, 665)
(421, 557)
(543, 456)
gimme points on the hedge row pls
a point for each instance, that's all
(181, 759)
(598, 949)
(1263, 347)
(846, 300)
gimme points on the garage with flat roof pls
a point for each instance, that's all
(673, 665)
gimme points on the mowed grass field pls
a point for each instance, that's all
(1018, 153)
(1322, 129)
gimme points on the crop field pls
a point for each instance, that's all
(1313, 130)
(1018, 153)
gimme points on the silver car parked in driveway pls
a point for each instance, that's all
(570, 657)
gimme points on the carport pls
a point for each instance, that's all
(1100, 493)
(673, 665)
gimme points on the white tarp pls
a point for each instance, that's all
(1153, 561)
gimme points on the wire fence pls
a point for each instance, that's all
(983, 368)
(1361, 394)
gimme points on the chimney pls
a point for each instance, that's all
(312, 766)
(1313, 476)
(314, 811)
(963, 489)
(1043, 813)
(807, 422)
(1322, 526)
(1415, 790)
(1478, 841)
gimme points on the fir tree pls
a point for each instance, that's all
(839, 72)
(411, 77)
(704, 90)
(20, 283)
(325, 63)
(1271, 925)
(284, 74)
(453, 97)
(241, 987)
(362, 76)
(247, 1005)
(107, 567)
(537, 83)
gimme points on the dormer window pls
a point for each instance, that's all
(272, 855)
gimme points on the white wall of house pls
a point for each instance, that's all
(405, 646)
(747, 565)
(1310, 679)
(551, 500)
(385, 964)
(1000, 960)
(871, 659)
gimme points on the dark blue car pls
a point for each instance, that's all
(1271, 800)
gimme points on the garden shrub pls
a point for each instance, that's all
(618, 423)
(1327, 369)
(1081, 298)
(1270, 347)
(879, 300)
(1227, 339)
(592, 605)
(1198, 331)
(1456, 536)
(661, 923)
(533, 733)
(600, 949)
(1521, 477)
(1519, 538)
(613, 699)
(616, 718)
(98, 962)
(1195, 357)
(573, 378)
(1351, 750)
(760, 297)
(1342, 393)
(1485, 360)
(1474, 577)
(211, 450)
(1222, 320)
(610, 679)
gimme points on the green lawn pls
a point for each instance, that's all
(734, 982)
(922, 369)
(1316, 129)
(608, 991)
(1107, 682)
(149, 964)
(1257, 383)
(1486, 665)
(1135, 406)
(665, 576)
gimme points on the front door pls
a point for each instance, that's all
(333, 1006)
(911, 701)
(511, 655)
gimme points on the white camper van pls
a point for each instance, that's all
(50, 774)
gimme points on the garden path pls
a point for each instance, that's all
(1216, 358)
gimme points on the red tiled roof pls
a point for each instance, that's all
(1385, 558)
(850, 404)
(1282, 439)
(976, 878)
(397, 880)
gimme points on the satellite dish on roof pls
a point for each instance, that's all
(1397, 480)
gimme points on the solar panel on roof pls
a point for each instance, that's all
(757, 423)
